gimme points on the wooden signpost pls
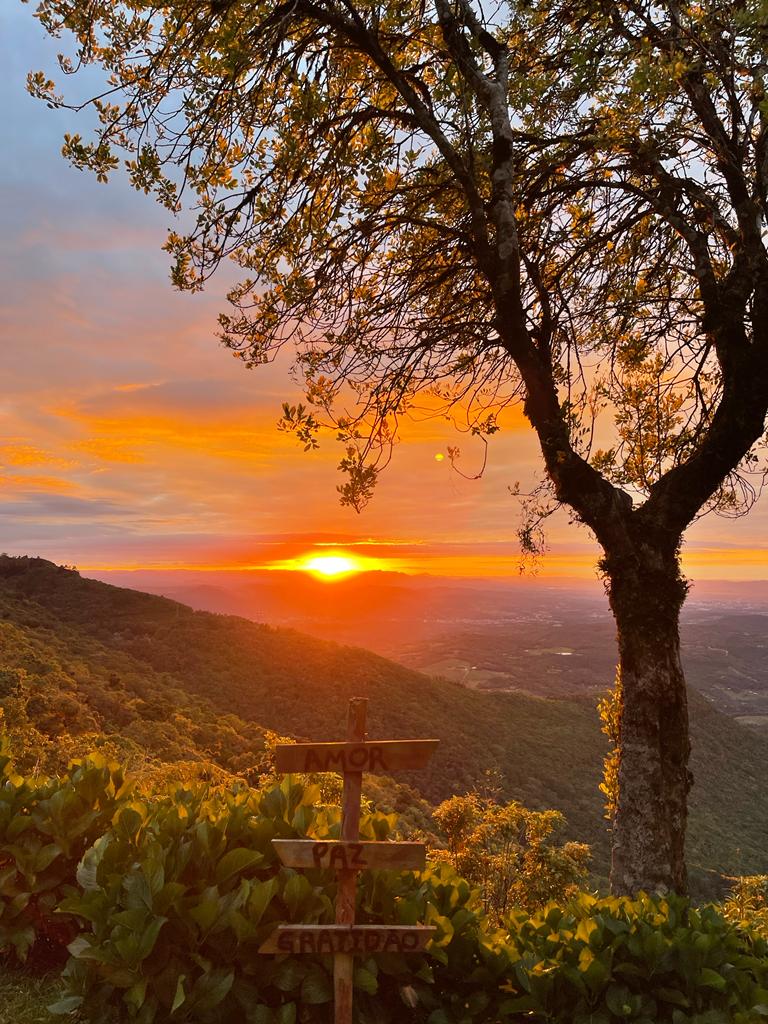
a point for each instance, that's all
(349, 855)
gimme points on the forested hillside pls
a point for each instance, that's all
(84, 662)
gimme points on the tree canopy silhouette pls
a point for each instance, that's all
(550, 202)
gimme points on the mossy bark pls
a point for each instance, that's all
(650, 820)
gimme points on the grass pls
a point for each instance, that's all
(23, 999)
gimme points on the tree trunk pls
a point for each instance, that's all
(646, 593)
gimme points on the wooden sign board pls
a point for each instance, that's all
(347, 856)
(381, 756)
(354, 940)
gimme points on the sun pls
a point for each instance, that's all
(332, 566)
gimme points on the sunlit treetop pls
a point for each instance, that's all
(561, 202)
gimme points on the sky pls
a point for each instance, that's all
(130, 438)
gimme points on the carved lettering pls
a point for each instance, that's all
(356, 940)
(379, 756)
(344, 855)
(325, 760)
(358, 757)
(377, 760)
(319, 850)
(338, 857)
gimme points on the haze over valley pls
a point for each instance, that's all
(539, 636)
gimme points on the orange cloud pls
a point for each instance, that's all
(30, 455)
(30, 482)
(109, 449)
(726, 562)
(142, 438)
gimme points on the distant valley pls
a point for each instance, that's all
(535, 636)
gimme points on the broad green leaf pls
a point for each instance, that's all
(286, 1014)
(261, 896)
(297, 895)
(712, 979)
(68, 1004)
(289, 974)
(316, 987)
(366, 981)
(234, 862)
(211, 989)
(180, 995)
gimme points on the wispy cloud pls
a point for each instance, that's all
(53, 507)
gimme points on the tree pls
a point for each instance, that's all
(508, 852)
(559, 203)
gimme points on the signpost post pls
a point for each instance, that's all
(349, 855)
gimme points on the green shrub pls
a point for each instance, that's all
(46, 825)
(747, 903)
(644, 960)
(164, 899)
(178, 896)
(509, 852)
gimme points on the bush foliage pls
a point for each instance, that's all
(46, 826)
(164, 899)
(599, 961)
(508, 852)
(161, 900)
(747, 902)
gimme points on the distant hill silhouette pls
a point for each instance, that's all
(80, 655)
